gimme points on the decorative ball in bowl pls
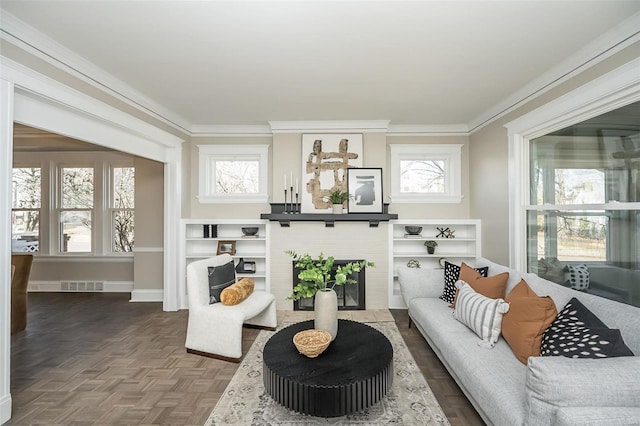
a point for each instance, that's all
(250, 230)
(312, 343)
(413, 230)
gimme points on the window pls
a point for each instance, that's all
(73, 203)
(76, 209)
(122, 208)
(584, 194)
(25, 213)
(233, 173)
(426, 173)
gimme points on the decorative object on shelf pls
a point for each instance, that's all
(210, 231)
(249, 231)
(445, 233)
(365, 187)
(413, 263)
(240, 265)
(412, 231)
(337, 199)
(315, 279)
(311, 343)
(431, 246)
(226, 247)
(248, 267)
(325, 160)
(291, 206)
(442, 261)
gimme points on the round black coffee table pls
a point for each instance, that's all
(353, 373)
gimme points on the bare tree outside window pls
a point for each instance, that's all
(25, 214)
(123, 208)
(76, 209)
(237, 177)
(422, 176)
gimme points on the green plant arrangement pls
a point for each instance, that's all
(315, 274)
(338, 197)
(431, 244)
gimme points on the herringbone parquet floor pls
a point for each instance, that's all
(97, 359)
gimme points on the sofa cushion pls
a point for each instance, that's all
(220, 277)
(578, 333)
(578, 276)
(528, 317)
(492, 287)
(481, 314)
(451, 276)
(237, 292)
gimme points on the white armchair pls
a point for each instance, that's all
(216, 330)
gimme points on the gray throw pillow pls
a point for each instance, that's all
(220, 277)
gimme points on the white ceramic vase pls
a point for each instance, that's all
(337, 208)
(326, 312)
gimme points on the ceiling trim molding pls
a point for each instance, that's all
(321, 126)
(199, 131)
(45, 88)
(31, 40)
(591, 54)
(428, 130)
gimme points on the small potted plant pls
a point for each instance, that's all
(431, 246)
(337, 199)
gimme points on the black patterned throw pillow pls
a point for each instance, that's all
(579, 333)
(451, 274)
(220, 277)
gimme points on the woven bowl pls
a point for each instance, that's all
(312, 342)
(413, 230)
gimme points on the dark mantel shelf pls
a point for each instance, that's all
(329, 220)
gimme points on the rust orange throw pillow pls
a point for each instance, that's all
(237, 292)
(528, 317)
(492, 287)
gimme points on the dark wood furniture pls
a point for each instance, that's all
(354, 373)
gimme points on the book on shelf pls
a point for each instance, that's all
(413, 235)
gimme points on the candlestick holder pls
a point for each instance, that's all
(291, 206)
(285, 202)
(297, 205)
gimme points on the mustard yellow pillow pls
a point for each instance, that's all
(237, 292)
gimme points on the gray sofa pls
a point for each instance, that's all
(546, 391)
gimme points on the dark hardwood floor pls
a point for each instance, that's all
(95, 358)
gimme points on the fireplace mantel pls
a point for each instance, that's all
(285, 219)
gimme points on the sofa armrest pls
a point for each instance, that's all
(555, 382)
(419, 282)
(598, 416)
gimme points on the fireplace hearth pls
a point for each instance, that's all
(351, 297)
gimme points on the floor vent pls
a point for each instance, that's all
(82, 286)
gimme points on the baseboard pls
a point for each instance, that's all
(81, 286)
(156, 295)
(5, 408)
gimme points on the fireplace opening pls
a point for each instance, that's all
(350, 296)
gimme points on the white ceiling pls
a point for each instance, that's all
(248, 63)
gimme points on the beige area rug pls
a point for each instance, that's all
(408, 402)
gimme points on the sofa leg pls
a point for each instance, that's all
(410, 322)
(209, 355)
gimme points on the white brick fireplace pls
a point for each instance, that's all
(347, 240)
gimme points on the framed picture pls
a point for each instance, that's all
(227, 247)
(365, 188)
(248, 267)
(325, 160)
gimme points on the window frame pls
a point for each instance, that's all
(613, 90)
(209, 154)
(110, 210)
(451, 154)
(50, 164)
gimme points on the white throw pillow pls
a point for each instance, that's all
(480, 313)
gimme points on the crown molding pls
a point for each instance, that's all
(428, 130)
(321, 126)
(204, 130)
(31, 40)
(613, 41)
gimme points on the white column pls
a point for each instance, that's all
(6, 164)
(174, 296)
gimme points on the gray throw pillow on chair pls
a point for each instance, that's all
(220, 277)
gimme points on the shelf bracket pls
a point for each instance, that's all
(284, 223)
(374, 223)
(329, 223)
